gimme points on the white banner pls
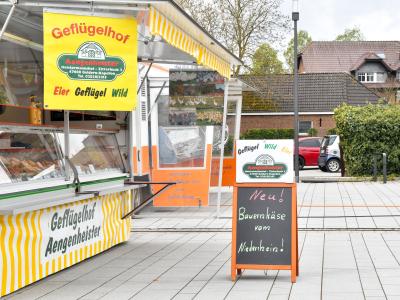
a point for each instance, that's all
(69, 228)
(264, 161)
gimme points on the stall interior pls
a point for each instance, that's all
(33, 140)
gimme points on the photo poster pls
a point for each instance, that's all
(264, 161)
(196, 98)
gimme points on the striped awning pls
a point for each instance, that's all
(160, 25)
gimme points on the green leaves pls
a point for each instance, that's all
(367, 131)
(303, 39)
(351, 34)
(265, 61)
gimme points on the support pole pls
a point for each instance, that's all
(66, 146)
(149, 123)
(144, 78)
(222, 147)
(295, 18)
(130, 145)
(238, 117)
(3, 29)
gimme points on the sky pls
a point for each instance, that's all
(325, 19)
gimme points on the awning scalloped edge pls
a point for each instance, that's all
(160, 25)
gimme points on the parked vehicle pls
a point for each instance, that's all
(329, 157)
(309, 151)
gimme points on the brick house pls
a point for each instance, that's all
(376, 64)
(268, 100)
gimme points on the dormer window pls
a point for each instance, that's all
(371, 77)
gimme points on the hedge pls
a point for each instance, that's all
(368, 130)
(265, 134)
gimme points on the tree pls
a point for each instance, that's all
(240, 25)
(303, 39)
(265, 61)
(351, 34)
(389, 91)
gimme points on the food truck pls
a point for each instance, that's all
(79, 133)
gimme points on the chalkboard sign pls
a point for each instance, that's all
(264, 232)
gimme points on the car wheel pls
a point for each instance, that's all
(333, 165)
(301, 163)
(323, 169)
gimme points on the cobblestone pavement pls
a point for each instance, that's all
(351, 253)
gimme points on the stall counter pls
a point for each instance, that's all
(44, 232)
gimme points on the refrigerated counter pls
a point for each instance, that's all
(56, 212)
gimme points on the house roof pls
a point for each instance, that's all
(343, 56)
(318, 92)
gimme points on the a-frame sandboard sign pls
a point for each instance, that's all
(264, 215)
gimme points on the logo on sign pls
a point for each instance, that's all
(91, 62)
(265, 167)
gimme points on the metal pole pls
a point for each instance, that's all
(384, 171)
(375, 170)
(144, 78)
(295, 18)
(149, 123)
(66, 145)
(238, 117)
(3, 29)
(131, 129)
(221, 156)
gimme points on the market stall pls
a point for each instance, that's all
(71, 140)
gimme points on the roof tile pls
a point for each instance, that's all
(318, 92)
(342, 56)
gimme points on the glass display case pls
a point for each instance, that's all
(27, 156)
(94, 153)
(182, 146)
(36, 155)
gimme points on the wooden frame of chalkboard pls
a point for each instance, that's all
(273, 253)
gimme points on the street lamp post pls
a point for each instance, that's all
(295, 18)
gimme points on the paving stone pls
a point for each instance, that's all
(196, 265)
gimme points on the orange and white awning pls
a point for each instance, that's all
(173, 35)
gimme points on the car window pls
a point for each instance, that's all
(332, 139)
(316, 142)
(309, 143)
(328, 141)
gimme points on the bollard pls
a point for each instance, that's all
(375, 170)
(384, 170)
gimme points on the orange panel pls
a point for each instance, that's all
(145, 160)
(135, 162)
(193, 184)
(228, 174)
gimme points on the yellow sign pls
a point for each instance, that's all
(90, 62)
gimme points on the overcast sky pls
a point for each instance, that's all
(325, 19)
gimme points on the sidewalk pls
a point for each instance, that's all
(185, 253)
(320, 206)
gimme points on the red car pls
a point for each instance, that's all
(309, 151)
